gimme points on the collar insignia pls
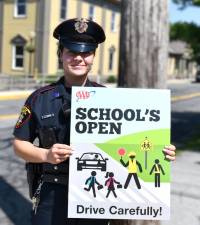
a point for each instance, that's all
(81, 25)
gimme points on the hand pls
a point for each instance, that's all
(170, 152)
(58, 153)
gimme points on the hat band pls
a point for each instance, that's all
(79, 46)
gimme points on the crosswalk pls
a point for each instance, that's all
(128, 195)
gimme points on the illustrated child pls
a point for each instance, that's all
(110, 183)
(91, 181)
(157, 168)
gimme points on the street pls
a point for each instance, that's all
(185, 199)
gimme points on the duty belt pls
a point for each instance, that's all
(59, 179)
(55, 173)
(50, 173)
(61, 168)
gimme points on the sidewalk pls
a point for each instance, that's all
(18, 94)
(14, 94)
(185, 186)
(179, 81)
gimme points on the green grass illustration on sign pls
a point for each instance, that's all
(147, 145)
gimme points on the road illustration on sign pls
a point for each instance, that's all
(99, 185)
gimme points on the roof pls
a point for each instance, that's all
(177, 47)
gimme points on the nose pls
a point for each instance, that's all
(78, 56)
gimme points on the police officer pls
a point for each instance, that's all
(46, 117)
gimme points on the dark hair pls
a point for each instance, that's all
(60, 49)
(109, 174)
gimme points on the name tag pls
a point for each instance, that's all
(47, 116)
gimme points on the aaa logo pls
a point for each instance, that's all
(84, 95)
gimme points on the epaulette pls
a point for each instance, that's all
(97, 85)
(42, 90)
(46, 88)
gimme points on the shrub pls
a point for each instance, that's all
(111, 79)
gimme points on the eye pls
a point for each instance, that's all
(72, 53)
(87, 53)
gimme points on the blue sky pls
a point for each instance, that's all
(190, 14)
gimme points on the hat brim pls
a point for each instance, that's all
(79, 46)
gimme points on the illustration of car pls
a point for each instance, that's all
(91, 160)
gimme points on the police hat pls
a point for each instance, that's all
(79, 35)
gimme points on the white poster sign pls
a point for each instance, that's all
(118, 169)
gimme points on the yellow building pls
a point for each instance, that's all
(26, 42)
(180, 64)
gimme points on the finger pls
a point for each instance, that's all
(170, 147)
(169, 152)
(171, 158)
(64, 152)
(62, 146)
(59, 160)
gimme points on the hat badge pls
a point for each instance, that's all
(81, 25)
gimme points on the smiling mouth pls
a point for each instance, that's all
(78, 65)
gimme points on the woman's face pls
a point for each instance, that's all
(76, 65)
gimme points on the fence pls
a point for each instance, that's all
(24, 82)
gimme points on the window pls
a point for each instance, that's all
(110, 60)
(18, 43)
(111, 57)
(113, 23)
(91, 12)
(20, 8)
(18, 57)
(63, 9)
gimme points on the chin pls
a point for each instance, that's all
(79, 73)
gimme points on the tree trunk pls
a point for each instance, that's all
(134, 222)
(143, 53)
(143, 43)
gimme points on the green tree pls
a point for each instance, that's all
(190, 33)
(185, 3)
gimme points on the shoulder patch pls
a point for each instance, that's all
(24, 116)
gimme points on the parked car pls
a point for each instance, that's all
(198, 76)
(91, 160)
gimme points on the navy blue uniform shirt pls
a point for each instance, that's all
(44, 109)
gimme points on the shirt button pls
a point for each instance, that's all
(56, 179)
(55, 167)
